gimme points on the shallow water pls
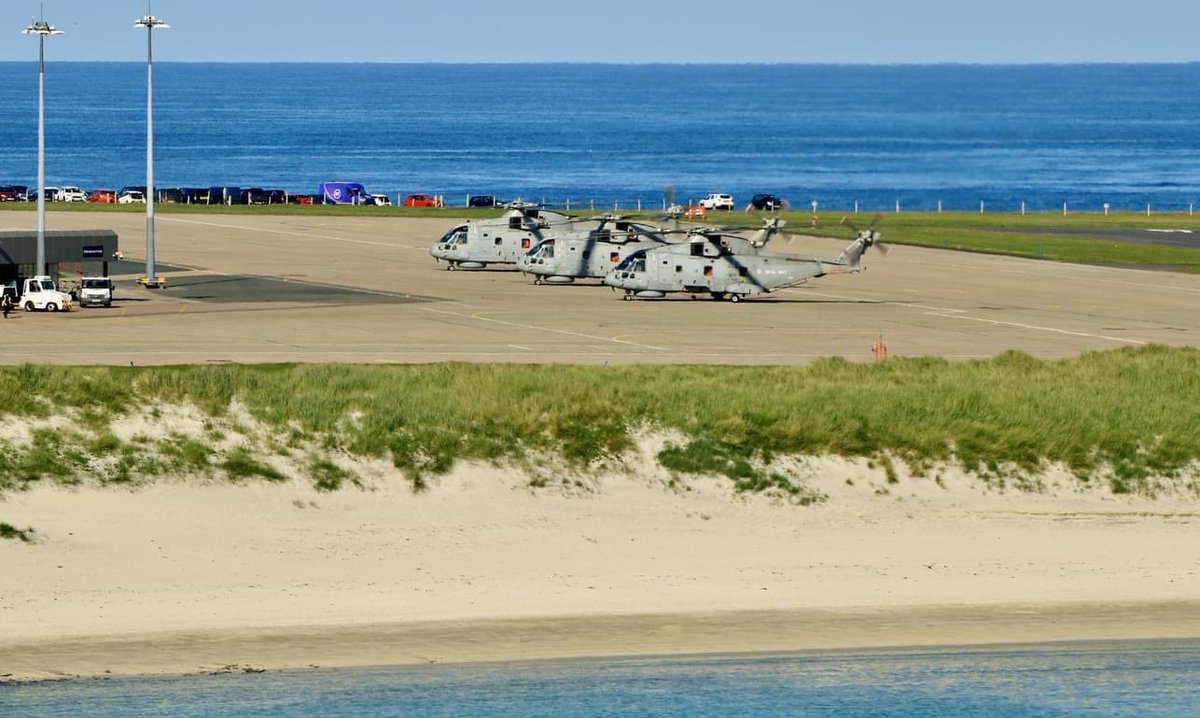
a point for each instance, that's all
(1106, 679)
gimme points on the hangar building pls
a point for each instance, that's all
(68, 252)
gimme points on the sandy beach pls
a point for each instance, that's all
(181, 577)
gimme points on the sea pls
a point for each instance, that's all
(1134, 679)
(919, 136)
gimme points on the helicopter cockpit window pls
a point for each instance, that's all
(460, 238)
(634, 263)
(517, 222)
(449, 237)
(697, 249)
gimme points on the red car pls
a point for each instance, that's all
(421, 200)
(103, 196)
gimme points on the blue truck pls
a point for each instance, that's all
(344, 193)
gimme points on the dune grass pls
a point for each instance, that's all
(1130, 412)
(25, 535)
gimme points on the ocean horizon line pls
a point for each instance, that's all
(536, 63)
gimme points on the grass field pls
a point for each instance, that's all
(1125, 417)
(997, 233)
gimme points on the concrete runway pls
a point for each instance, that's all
(346, 289)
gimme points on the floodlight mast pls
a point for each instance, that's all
(151, 23)
(41, 28)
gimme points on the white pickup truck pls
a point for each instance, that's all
(40, 293)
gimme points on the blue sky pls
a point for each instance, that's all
(724, 31)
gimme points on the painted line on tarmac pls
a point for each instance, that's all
(566, 332)
(951, 313)
(291, 233)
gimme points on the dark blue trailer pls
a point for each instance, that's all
(225, 195)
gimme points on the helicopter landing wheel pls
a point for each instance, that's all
(537, 281)
(627, 296)
(450, 267)
(735, 298)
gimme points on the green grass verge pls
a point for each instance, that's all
(1130, 411)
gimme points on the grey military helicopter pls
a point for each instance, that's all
(501, 240)
(590, 252)
(725, 265)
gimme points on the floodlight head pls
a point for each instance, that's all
(151, 23)
(41, 27)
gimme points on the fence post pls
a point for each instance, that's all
(980, 206)
(855, 206)
(1022, 209)
(939, 206)
(639, 204)
(1064, 209)
(897, 206)
(1147, 209)
(1106, 207)
(568, 204)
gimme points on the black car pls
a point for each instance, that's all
(767, 202)
(482, 200)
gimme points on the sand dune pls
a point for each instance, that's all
(184, 576)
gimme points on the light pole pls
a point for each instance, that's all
(150, 23)
(41, 28)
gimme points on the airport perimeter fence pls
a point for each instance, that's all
(626, 204)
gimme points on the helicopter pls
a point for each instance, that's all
(501, 240)
(589, 253)
(728, 266)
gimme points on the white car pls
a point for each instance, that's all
(382, 200)
(132, 196)
(70, 194)
(718, 201)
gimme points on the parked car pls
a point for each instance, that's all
(49, 193)
(422, 200)
(382, 200)
(70, 194)
(13, 193)
(302, 198)
(718, 201)
(482, 200)
(768, 202)
(193, 195)
(258, 195)
(104, 196)
(132, 196)
(168, 195)
(225, 195)
(696, 210)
